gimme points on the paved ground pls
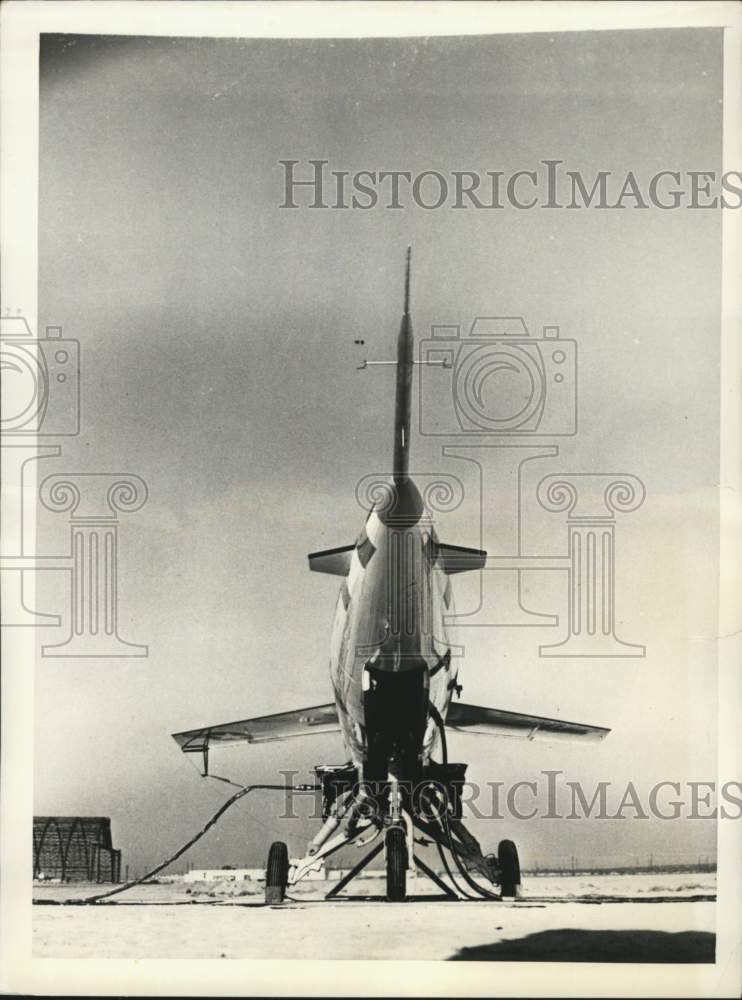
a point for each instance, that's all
(162, 921)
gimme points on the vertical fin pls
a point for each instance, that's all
(403, 400)
(407, 282)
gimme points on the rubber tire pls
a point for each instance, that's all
(277, 873)
(507, 856)
(396, 865)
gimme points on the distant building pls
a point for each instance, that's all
(74, 849)
(249, 874)
(258, 874)
(237, 875)
(224, 874)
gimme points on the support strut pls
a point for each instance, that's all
(354, 871)
(450, 894)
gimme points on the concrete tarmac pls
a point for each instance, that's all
(589, 921)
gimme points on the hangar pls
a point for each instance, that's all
(75, 849)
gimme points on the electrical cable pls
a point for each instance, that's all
(245, 790)
(450, 874)
(441, 852)
(272, 830)
(436, 716)
(484, 893)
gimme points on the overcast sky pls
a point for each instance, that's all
(218, 363)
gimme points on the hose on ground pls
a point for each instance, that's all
(447, 867)
(244, 790)
(484, 893)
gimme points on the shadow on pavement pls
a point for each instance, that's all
(688, 947)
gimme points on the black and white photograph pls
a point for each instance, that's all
(370, 499)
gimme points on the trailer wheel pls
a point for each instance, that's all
(277, 873)
(507, 856)
(396, 864)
